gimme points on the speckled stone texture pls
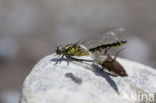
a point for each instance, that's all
(83, 83)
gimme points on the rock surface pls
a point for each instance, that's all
(83, 83)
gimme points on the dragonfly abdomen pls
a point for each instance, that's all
(115, 44)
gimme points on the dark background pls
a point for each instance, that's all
(31, 29)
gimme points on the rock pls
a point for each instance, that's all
(83, 83)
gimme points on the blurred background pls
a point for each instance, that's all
(31, 29)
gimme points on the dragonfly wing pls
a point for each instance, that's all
(106, 37)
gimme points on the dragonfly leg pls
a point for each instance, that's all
(60, 60)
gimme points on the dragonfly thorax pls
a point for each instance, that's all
(72, 50)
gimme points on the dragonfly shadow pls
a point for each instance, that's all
(96, 70)
(62, 59)
(59, 60)
(105, 75)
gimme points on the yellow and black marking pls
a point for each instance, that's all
(77, 50)
(115, 44)
(94, 43)
(74, 50)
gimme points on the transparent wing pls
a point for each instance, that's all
(107, 37)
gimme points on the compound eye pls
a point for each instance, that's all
(58, 50)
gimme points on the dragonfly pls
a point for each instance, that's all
(95, 42)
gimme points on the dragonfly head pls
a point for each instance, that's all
(59, 50)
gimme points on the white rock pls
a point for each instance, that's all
(48, 83)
